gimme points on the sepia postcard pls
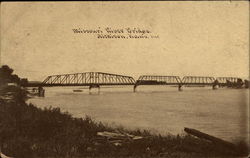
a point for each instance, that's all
(124, 79)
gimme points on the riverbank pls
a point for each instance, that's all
(28, 131)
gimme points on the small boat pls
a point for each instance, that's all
(77, 90)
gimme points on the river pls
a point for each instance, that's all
(222, 113)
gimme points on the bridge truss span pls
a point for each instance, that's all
(225, 79)
(198, 80)
(158, 80)
(88, 79)
(230, 82)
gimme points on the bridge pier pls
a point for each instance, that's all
(180, 87)
(216, 84)
(41, 91)
(94, 86)
(135, 87)
(214, 87)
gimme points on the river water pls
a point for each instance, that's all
(222, 113)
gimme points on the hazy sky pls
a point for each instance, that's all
(195, 38)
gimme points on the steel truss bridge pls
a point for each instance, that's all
(198, 80)
(91, 79)
(97, 79)
(158, 80)
(225, 81)
(175, 80)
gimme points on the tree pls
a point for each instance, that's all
(6, 76)
(24, 81)
(5, 70)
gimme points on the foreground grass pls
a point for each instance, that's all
(27, 131)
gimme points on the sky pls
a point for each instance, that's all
(195, 38)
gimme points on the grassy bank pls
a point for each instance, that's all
(27, 131)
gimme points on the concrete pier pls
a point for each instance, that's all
(41, 92)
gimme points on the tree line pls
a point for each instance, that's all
(7, 76)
